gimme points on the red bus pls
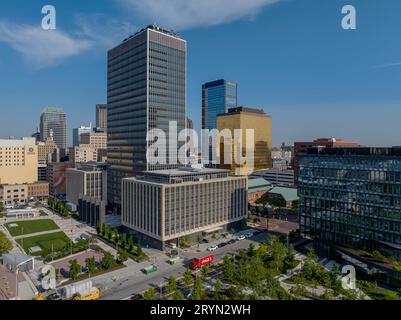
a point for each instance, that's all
(199, 263)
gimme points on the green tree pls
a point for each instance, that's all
(205, 272)
(178, 296)
(103, 232)
(228, 269)
(122, 255)
(108, 261)
(139, 251)
(172, 284)
(75, 269)
(124, 240)
(150, 294)
(299, 291)
(5, 244)
(218, 287)
(197, 293)
(131, 246)
(98, 228)
(1, 206)
(187, 278)
(90, 264)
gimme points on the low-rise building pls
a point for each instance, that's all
(38, 191)
(165, 205)
(88, 180)
(280, 177)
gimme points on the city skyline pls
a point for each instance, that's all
(354, 76)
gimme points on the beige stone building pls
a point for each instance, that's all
(163, 206)
(247, 118)
(18, 161)
(95, 139)
(88, 180)
(83, 153)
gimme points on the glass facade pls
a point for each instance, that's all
(146, 90)
(217, 97)
(352, 197)
(55, 120)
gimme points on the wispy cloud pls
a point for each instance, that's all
(185, 14)
(388, 65)
(104, 30)
(39, 47)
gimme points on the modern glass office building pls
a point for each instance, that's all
(53, 119)
(217, 97)
(352, 197)
(146, 90)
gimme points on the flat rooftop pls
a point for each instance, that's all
(185, 171)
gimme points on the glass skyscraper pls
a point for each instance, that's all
(352, 197)
(56, 120)
(217, 97)
(146, 90)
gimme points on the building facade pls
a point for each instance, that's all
(101, 116)
(146, 90)
(83, 153)
(246, 118)
(56, 177)
(281, 177)
(352, 197)
(302, 148)
(77, 134)
(87, 180)
(56, 120)
(165, 205)
(96, 139)
(217, 97)
(18, 161)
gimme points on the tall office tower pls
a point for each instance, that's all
(146, 90)
(350, 198)
(56, 120)
(77, 132)
(247, 118)
(101, 116)
(217, 97)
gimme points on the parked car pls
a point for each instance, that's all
(241, 237)
(212, 248)
(223, 244)
(231, 241)
(249, 235)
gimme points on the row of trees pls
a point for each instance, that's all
(5, 244)
(58, 207)
(91, 266)
(122, 241)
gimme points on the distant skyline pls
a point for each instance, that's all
(289, 57)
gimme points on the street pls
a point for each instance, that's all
(129, 281)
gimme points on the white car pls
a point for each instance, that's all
(241, 237)
(212, 248)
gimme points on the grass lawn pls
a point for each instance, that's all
(29, 227)
(382, 294)
(59, 240)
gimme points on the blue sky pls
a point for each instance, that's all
(290, 57)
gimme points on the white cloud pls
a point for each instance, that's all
(39, 47)
(185, 14)
(102, 29)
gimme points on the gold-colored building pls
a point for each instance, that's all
(18, 161)
(246, 118)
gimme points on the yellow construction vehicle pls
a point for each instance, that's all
(40, 297)
(93, 295)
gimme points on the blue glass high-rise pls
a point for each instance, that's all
(217, 97)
